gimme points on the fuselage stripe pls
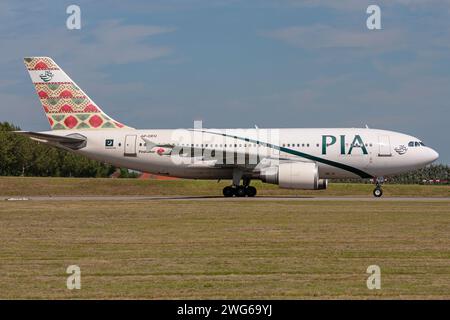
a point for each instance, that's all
(335, 164)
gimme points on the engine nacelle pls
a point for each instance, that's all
(294, 175)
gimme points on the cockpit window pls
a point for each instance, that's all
(411, 144)
(422, 144)
(417, 144)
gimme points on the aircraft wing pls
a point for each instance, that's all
(151, 144)
(205, 157)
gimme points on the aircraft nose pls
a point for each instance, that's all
(432, 155)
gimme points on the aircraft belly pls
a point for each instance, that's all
(330, 172)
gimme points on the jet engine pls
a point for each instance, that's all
(294, 175)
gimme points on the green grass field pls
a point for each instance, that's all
(219, 249)
(19, 186)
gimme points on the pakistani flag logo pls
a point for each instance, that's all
(47, 76)
(109, 142)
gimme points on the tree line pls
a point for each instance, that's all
(435, 173)
(21, 156)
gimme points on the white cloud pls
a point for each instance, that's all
(322, 37)
(109, 42)
(83, 54)
(358, 5)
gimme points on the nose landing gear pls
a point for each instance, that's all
(378, 192)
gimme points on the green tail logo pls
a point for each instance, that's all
(47, 76)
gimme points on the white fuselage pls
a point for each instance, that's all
(339, 153)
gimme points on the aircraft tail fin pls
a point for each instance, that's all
(65, 104)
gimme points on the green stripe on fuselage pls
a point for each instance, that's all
(335, 164)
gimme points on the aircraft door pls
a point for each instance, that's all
(130, 146)
(384, 145)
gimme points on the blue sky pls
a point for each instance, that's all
(164, 64)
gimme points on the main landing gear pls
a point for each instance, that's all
(378, 192)
(237, 190)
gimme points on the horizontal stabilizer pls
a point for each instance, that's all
(73, 141)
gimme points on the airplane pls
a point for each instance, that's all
(293, 158)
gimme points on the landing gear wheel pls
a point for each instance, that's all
(228, 192)
(240, 191)
(251, 191)
(377, 192)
